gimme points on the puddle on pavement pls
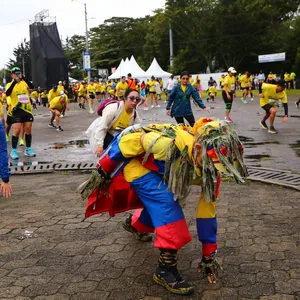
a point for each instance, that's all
(75, 143)
(258, 156)
(245, 139)
(296, 148)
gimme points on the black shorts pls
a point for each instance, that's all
(98, 93)
(92, 96)
(21, 116)
(152, 93)
(246, 88)
(9, 120)
(267, 107)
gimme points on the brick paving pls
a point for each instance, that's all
(96, 259)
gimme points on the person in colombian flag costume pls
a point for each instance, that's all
(151, 168)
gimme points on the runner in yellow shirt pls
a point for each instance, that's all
(91, 88)
(57, 106)
(228, 92)
(82, 94)
(152, 91)
(246, 85)
(20, 111)
(121, 88)
(275, 92)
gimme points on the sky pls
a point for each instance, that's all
(69, 14)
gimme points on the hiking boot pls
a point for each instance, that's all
(140, 236)
(263, 125)
(59, 129)
(14, 154)
(51, 125)
(272, 130)
(28, 152)
(172, 281)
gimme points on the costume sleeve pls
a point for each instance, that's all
(4, 170)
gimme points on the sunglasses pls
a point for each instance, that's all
(132, 98)
(185, 78)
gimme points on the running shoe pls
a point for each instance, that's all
(91, 111)
(14, 154)
(21, 142)
(157, 106)
(252, 99)
(172, 281)
(244, 100)
(59, 129)
(297, 104)
(51, 125)
(62, 115)
(28, 152)
(152, 106)
(146, 108)
(263, 125)
(272, 130)
(227, 119)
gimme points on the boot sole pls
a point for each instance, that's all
(182, 291)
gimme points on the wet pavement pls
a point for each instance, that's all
(48, 252)
(262, 149)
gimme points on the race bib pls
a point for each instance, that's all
(233, 87)
(24, 99)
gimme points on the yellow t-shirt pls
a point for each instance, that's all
(229, 83)
(19, 92)
(269, 92)
(1, 109)
(60, 87)
(34, 95)
(82, 91)
(91, 88)
(52, 94)
(121, 88)
(222, 79)
(56, 104)
(151, 84)
(246, 81)
(123, 121)
(212, 90)
(287, 77)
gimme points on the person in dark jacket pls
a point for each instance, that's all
(179, 104)
(5, 187)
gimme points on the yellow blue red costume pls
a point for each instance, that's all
(152, 167)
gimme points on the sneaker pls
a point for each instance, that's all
(152, 106)
(227, 119)
(14, 154)
(158, 106)
(244, 100)
(59, 129)
(51, 125)
(28, 152)
(62, 115)
(146, 108)
(21, 142)
(91, 111)
(252, 99)
(272, 130)
(172, 281)
(140, 236)
(297, 104)
(263, 125)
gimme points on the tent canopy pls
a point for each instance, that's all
(128, 66)
(156, 70)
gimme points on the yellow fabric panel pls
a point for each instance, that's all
(183, 138)
(183, 87)
(204, 209)
(130, 145)
(1, 109)
(160, 147)
(133, 170)
(123, 120)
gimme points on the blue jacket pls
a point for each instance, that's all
(4, 170)
(179, 101)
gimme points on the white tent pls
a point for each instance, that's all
(156, 70)
(128, 66)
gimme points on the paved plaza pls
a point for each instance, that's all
(63, 257)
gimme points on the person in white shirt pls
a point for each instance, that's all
(170, 84)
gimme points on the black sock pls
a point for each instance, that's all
(28, 138)
(14, 142)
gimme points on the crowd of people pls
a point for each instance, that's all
(157, 161)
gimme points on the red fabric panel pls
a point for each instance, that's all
(172, 236)
(208, 249)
